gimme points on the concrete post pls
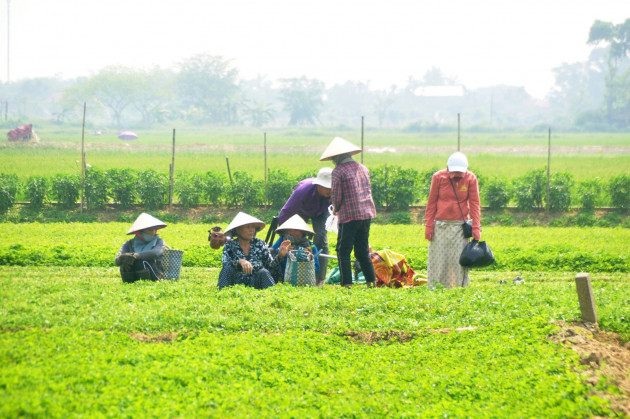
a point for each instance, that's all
(585, 295)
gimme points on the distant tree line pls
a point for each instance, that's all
(207, 89)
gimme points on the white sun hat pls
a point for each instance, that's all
(144, 221)
(295, 223)
(339, 146)
(242, 219)
(457, 162)
(324, 177)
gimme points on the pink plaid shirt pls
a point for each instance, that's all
(351, 193)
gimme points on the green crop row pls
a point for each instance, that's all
(79, 342)
(515, 248)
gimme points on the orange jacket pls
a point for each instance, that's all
(442, 204)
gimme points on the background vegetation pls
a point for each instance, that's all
(588, 96)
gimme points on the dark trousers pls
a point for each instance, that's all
(354, 234)
(259, 280)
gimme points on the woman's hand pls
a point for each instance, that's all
(246, 266)
(285, 246)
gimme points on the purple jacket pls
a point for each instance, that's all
(304, 201)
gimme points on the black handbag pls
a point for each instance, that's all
(476, 254)
(467, 224)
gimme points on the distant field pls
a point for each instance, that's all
(297, 150)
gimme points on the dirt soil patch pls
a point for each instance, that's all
(603, 354)
(163, 338)
(398, 336)
(370, 338)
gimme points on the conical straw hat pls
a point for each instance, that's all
(145, 220)
(339, 146)
(295, 223)
(242, 219)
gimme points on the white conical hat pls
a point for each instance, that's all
(339, 146)
(241, 219)
(295, 223)
(145, 220)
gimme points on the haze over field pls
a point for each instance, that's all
(481, 43)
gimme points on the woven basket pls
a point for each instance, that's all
(172, 263)
(300, 273)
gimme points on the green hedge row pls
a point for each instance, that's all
(392, 187)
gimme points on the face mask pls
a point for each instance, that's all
(147, 237)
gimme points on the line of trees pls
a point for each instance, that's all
(589, 95)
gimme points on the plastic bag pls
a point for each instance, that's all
(476, 255)
(332, 222)
(334, 277)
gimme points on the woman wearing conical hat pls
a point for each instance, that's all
(351, 196)
(310, 200)
(141, 257)
(246, 259)
(298, 233)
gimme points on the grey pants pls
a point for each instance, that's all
(321, 241)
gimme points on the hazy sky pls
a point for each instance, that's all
(482, 42)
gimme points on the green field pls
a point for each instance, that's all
(516, 248)
(76, 341)
(297, 150)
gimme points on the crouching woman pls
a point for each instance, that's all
(246, 260)
(298, 233)
(141, 257)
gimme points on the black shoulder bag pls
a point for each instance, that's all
(467, 224)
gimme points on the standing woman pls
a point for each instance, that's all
(351, 197)
(451, 189)
(246, 259)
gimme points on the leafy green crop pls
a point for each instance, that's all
(77, 341)
(515, 248)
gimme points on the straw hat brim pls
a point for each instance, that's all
(337, 147)
(295, 223)
(145, 221)
(242, 219)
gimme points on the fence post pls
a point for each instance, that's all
(458, 134)
(265, 169)
(362, 153)
(172, 176)
(548, 174)
(585, 296)
(83, 159)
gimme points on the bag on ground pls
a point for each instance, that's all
(391, 269)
